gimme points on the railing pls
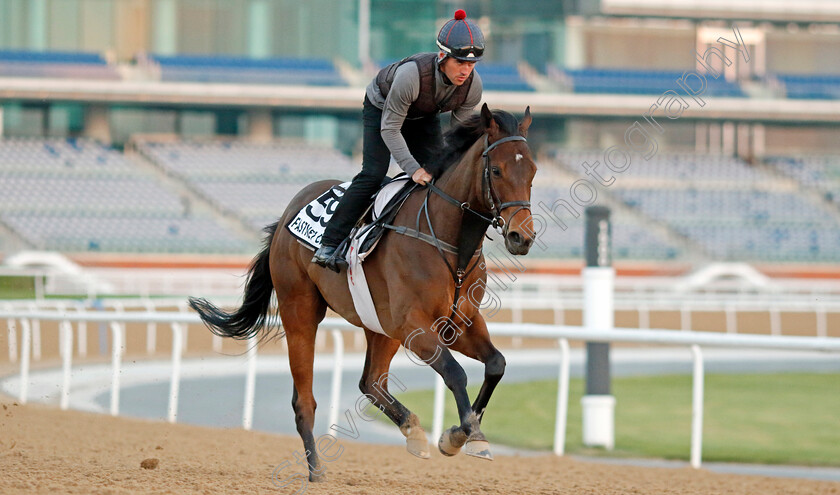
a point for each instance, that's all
(518, 301)
(563, 334)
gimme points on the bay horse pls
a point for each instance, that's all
(484, 176)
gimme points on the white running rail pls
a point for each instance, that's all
(563, 333)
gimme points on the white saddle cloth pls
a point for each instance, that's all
(362, 300)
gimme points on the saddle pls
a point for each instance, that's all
(377, 218)
(309, 223)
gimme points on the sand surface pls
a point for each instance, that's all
(45, 450)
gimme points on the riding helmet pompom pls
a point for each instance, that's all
(460, 14)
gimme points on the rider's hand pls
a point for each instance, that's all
(421, 176)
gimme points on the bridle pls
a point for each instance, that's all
(496, 205)
(488, 192)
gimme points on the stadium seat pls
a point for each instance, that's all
(78, 195)
(220, 69)
(76, 65)
(253, 182)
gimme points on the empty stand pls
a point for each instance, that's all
(821, 173)
(254, 182)
(76, 65)
(631, 239)
(219, 69)
(77, 195)
(810, 86)
(626, 81)
(731, 210)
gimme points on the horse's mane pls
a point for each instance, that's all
(458, 139)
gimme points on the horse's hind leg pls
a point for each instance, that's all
(300, 315)
(374, 384)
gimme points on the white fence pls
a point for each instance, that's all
(179, 322)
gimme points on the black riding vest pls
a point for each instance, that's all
(425, 104)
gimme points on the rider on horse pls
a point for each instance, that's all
(401, 118)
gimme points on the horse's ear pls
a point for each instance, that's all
(488, 122)
(525, 123)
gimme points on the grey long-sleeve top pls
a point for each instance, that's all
(404, 91)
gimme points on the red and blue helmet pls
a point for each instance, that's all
(461, 38)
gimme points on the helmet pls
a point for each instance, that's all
(461, 38)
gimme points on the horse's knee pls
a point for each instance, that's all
(494, 368)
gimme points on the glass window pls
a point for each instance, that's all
(64, 25)
(197, 123)
(97, 25)
(12, 22)
(21, 120)
(126, 121)
(65, 120)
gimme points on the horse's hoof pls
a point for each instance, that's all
(317, 478)
(447, 444)
(478, 448)
(417, 447)
(415, 438)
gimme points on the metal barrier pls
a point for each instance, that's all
(179, 320)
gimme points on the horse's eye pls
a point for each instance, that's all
(496, 172)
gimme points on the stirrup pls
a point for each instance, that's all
(334, 261)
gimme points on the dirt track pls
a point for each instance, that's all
(44, 450)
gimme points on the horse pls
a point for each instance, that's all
(483, 177)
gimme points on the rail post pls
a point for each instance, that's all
(598, 306)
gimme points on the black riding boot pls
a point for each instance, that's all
(352, 205)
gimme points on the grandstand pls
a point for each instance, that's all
(77, 195)
(724, 206)
(57, 64)
(623, 81)
(253, 182)
(749, 171)
(240, 70)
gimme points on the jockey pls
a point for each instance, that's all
(401, 118)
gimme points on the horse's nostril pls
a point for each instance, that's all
(515, 238)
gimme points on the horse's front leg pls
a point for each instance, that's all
(428, 347)
(475, 342)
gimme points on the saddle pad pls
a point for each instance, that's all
(309, 224)
(386, 193)
(356, 281)
(359, 290)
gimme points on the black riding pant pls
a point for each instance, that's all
(423, 137)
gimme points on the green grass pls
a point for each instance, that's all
(767, 419)
(17, 287)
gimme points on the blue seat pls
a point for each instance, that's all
(223, 69)
(77, 65)
(625, 81)
(817, 86)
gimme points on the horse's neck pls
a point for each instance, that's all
(462, 182)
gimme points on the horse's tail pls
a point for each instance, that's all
(251, 316)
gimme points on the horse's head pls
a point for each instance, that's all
(507, 176)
